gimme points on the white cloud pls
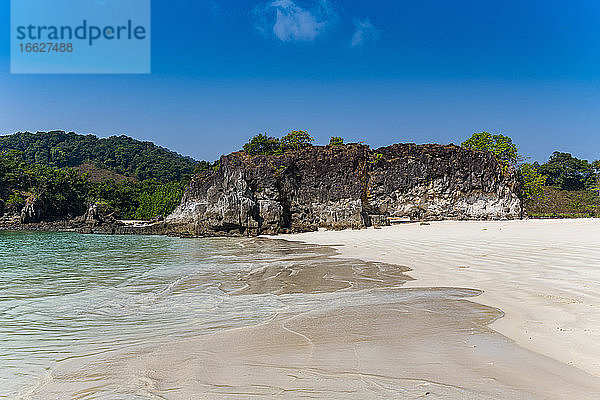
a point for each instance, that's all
(365, 32)
(290, 22)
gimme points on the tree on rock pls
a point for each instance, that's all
(531, 179)
(501, 146)
(296, 140)
(262, 144)
(336, 141)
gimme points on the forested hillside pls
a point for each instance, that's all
(120, 154)
(63, 192)
(67, 172)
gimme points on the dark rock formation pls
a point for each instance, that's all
(33, 211)
(34, 218)
(339, 187)
(95, 220)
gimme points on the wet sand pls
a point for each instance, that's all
(544, 274)
(359, 332)
(430, 343)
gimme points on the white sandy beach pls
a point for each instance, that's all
(544, 274)
(342, 328)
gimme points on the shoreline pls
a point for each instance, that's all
(162, 228)
(331, 326)
(540, 273)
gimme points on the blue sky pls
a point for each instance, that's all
(379, 72)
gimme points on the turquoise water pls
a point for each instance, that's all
(66, 297)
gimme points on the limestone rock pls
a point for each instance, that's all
(96, 216)
(33, 211)
(339, 187)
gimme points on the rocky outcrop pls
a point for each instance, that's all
(33, 211)
(431, 182)
(348, 186)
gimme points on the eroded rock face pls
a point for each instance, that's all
(340, 187)
(33, 211)
(432, 182)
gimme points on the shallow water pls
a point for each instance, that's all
(65, 296)
(138, 317)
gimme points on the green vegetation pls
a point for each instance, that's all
(573, 188)
(563, 187)
(532, 182)
(203, 166)
(507, 153)
(296, 140)
(557, 203)
(67, 172)
(375, 158)
(501, 146)
(120, 154)
(63, 191)
(570, 173)
(162, 200)
(67, 194)
(139, 180)
(262, 144)
(336, 141)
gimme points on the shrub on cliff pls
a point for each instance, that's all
(262, 144)
(502, 146)
(296, 140)
(14, 203)
(336, 141)
(531, 179)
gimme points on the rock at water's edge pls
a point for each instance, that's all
(33, 211)
(338, 187)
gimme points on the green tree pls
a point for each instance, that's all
(202, 167)
(65, 193)
(336, 141)
(262, 144)
(61, 189)
(501, 146)
(160, 202)
(119, 198)
(596, 168)
(532, 182)
(568, 172)
(296, 140)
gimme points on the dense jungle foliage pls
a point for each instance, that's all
(121, 154)
(67, 193)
